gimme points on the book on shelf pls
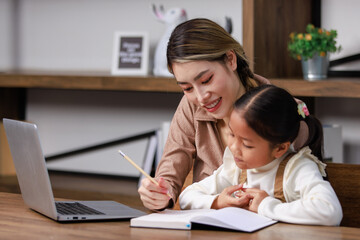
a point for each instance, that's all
(154, 149)
(149, 157)
(230, 218)
(162, 134)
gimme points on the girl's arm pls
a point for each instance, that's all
(201, 194)
(205, 192)
(311, 200)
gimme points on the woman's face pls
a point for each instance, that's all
(214, 86)
(248, 148)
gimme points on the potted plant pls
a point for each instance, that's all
(313, 48)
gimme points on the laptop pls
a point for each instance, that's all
(35, 186)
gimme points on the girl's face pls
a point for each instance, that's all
(211, 85)
(248, 148)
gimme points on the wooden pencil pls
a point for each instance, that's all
(140, 169)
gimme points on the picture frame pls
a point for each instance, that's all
(130, 54)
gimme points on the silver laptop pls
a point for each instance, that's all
(35, 184)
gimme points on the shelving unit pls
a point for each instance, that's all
(264, 41)
(266, 25)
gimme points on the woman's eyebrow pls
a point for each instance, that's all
(200, 75)
(181, 83)
(197, 77)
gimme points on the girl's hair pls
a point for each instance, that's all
(203, 39)
(273, 114)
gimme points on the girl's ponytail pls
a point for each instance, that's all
(316, 138)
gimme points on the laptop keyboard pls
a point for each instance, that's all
(75, 209)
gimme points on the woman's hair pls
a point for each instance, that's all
(273, 114)
(203, 39)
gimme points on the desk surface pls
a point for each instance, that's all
(17, 221)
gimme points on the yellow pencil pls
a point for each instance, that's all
(140, 169)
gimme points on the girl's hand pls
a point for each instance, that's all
(154, 197)
(256, 196)
(226, 198)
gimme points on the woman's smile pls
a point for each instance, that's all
(213, 106)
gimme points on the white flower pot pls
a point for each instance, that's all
(315, 68)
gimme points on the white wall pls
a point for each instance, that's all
(343, 16)
(72, 119)
(77, 35)
(6, 35)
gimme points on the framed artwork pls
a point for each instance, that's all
(131, 54)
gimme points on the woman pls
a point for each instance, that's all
(211, 68)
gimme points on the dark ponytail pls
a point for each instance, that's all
(316, 136)
(245, 73)
(273, 114)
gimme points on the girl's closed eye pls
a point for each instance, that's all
(247, 146)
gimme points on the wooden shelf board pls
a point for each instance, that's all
(333, 87)
(91, 81)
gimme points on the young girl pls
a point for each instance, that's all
(261, 167)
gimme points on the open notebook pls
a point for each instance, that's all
(231, 218)
(35, 184)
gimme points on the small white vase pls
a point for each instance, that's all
(315, 68)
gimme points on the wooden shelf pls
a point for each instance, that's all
(333, 87)
(90, 81)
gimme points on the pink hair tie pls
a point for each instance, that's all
(303, 110)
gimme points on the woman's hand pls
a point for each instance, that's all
(154, 197)
(256, 196)
(227, 199)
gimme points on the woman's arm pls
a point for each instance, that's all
(176, 162)
(154, 196)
